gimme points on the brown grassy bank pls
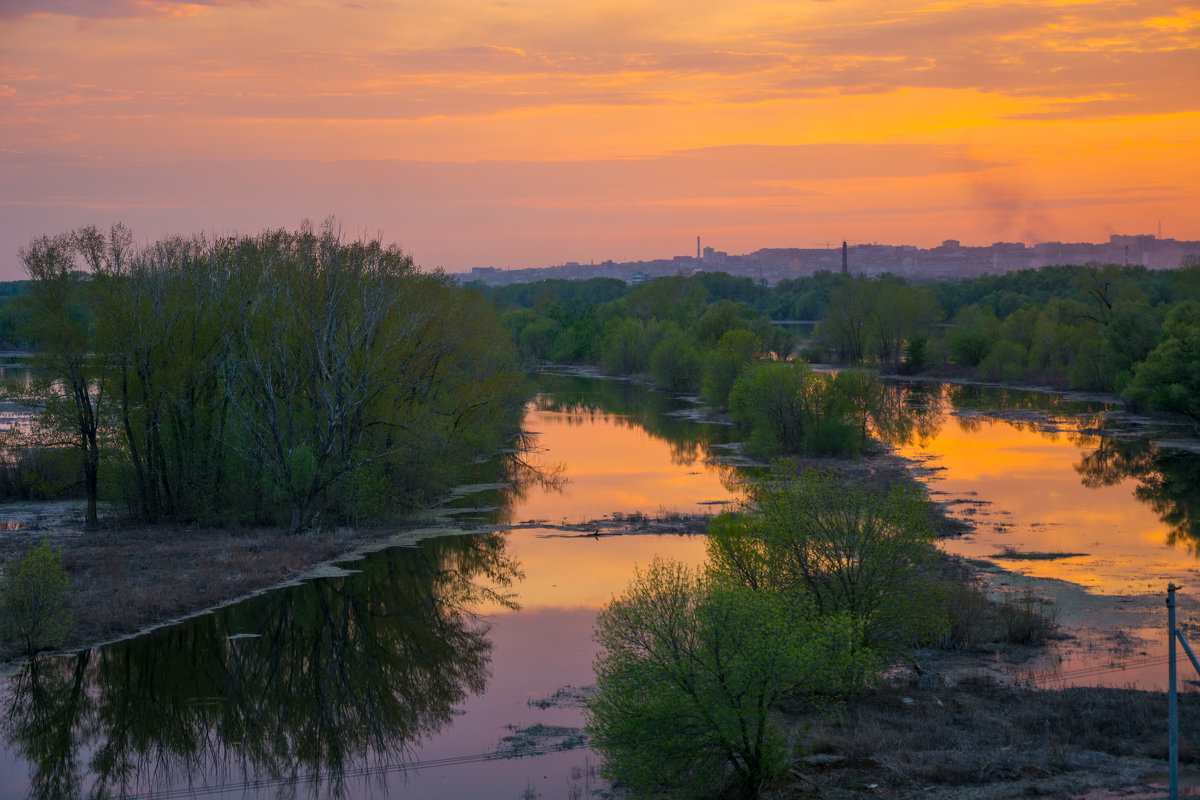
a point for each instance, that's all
(129, 578)
(979, 740)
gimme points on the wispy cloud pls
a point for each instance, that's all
(109, 9)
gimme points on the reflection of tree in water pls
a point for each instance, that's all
(336, 675)
(632, 405)
(1026, 410)
(906, 413)
(506, 480)
(1168, 482)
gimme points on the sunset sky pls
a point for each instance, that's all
(530, 132)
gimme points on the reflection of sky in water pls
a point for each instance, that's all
(612, 466)
(1021, 490)
(544, 646)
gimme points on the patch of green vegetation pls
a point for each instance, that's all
(1016, 555)
(35, 600)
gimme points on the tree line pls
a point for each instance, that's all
(267, 378)
(704, 335)
(1098, 327)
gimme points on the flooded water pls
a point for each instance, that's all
(456, 668)
(1076, 495)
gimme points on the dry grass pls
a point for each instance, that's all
(1016, 742)
(129, 578)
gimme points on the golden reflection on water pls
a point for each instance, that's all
(1021, 489)
(612, 466)
(572, 573)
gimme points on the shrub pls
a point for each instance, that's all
(838, 547)
(35, 600)
(689, 671)
(970, 619)
(1025, 621)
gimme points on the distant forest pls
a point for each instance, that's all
(1097, 327)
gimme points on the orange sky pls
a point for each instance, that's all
(531, 132)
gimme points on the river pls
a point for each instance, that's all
(457, 667)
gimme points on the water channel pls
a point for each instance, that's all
(457, 667)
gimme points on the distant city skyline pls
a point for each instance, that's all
(950, 259)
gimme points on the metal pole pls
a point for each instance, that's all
(1172, 703)
(1187, 648)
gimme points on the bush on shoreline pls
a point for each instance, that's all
(35, 600)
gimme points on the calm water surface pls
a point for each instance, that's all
(406, 676)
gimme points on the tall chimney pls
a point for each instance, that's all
(697, 248)
(845, 259)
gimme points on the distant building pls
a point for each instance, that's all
(948, 261)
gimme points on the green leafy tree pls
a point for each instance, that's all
(1169, 378)
(724, 316)
(690, 669)
(675, 365)
(898, 314)
(792, 410)
(254, 378)
(35, 598)
(776, 400)
(161, 317)
(973, 335)
(1006, 361)
(623, 351)
(69, 391)
(674, 298)
(848, 319)
(736, 350)
(837, 547)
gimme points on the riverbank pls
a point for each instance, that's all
(127, 579)
(977, 739)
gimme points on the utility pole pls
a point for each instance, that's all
(1172, 700)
